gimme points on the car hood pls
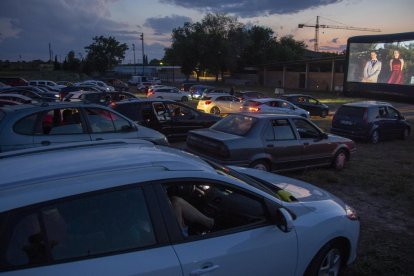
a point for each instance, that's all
(151, 135)
(302, 191)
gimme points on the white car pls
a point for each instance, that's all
(272, 105)
(101, 84)
(104, 208)
(46, 83)
(219, 103)
(169, 93)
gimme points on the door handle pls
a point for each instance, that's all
(201, 271)
(45, 143)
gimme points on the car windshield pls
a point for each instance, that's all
(235, 124)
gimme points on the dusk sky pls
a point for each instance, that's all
(28, 26)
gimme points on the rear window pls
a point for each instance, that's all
(351, 111)
(235, 124)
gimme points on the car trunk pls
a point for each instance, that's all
(206, 144)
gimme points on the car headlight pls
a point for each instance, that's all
(351, 213)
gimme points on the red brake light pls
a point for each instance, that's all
(207, 102)
(254, 109)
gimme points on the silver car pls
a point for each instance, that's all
(270, 142)
(35, 125)
(220, 103)
(271, 105)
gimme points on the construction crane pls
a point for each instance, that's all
(318, 26)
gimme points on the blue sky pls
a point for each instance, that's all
(28, 26)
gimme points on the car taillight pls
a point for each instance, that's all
(254, 109)
(150, 93)
(113, 104)
(207, 102)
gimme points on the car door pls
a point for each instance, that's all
(104, 124)
(55, 127)
(394, 123)
(183, 119)
(235, 104)
(115, 232)
(163, 122)
(224, 103)
(281, 144)
(316, 149)
(241, 240)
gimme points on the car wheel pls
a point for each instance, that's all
(324, 113)
(340, 160)
(405, 134)
(215, 110)
(184, 99)
(260, 165)
(375, 137)
(328, 261)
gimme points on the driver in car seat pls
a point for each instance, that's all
(186, 212)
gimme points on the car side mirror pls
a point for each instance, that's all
(324, 135)
(280, 216)
(127, 128)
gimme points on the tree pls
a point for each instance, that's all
(71, 63)
(104, 53)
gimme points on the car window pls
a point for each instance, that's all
(305, 129)
(282, 130)
(102, 120)
(161, 111)
(235, 124)
(26, 125)
(393, 113)
(60, 121)
(81, 227)
(382, 112)
(312, 101)
(207, 207)
(180, 112)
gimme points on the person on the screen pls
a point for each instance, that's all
(372, 69)
(396, 67)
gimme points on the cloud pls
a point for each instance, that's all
(251, 8)
(164, 25)
(8, 28)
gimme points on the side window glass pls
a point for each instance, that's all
(268, 133)
(64, 121)
(100, 120)
(26, 125)
(79, 228)
(162, 112)
(202, 208)
(121, 124)
(283, 130)
(305, 129)
(180, 112)
(392, 113)
(382, 112)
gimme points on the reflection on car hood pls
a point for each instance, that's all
(302, 191)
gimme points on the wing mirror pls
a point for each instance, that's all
(280, 216)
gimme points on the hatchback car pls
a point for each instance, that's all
(270, 142)
(314, 106)
(169, 93)
(370, 120)
(34, 125)
(196, 91)
(219, 104)
(271, 105)
(105, 209)
(104, 98)
(171, 118)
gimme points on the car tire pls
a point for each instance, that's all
(328, 261)
(375, 137)
(262, 165)
(339, 160)
(215, 110)
(405, 134)
(324, 113)
(184, 99)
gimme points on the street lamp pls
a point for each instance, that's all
(143, 56)
(135, 67)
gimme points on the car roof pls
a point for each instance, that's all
(46, 106)
(297, 95)
(216, 95)
(265, 100)
(107, 164)
(367, 104)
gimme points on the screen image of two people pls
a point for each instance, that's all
(373, 68)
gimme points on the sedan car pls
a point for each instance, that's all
(105, 208)
(220, 103)
(247, 95)
(104, 98)
(314, 106)
(169, 93)
(171, 118)
(270, 142)
(271, 105)
(40, 125)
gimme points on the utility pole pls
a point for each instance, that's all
(143, 56)
(135, 67)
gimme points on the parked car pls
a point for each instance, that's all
(271, 105)
(101, 84)
(34, 93)
(103, 98)
(35, 125)
(170, 93)
(64, 91)
(215, 90)
(16, 98)
(219, 104)
(4, 86)
(104, 208)
(370, 120)
(13, 81)
(46, 83)
(4, 102)
(197, 90)
(247, 95)
(270, 142)
(309, 103)
(116, 83)
(152, 87)
(185, 86)
(171, 118)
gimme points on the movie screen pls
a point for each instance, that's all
(385, 63)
